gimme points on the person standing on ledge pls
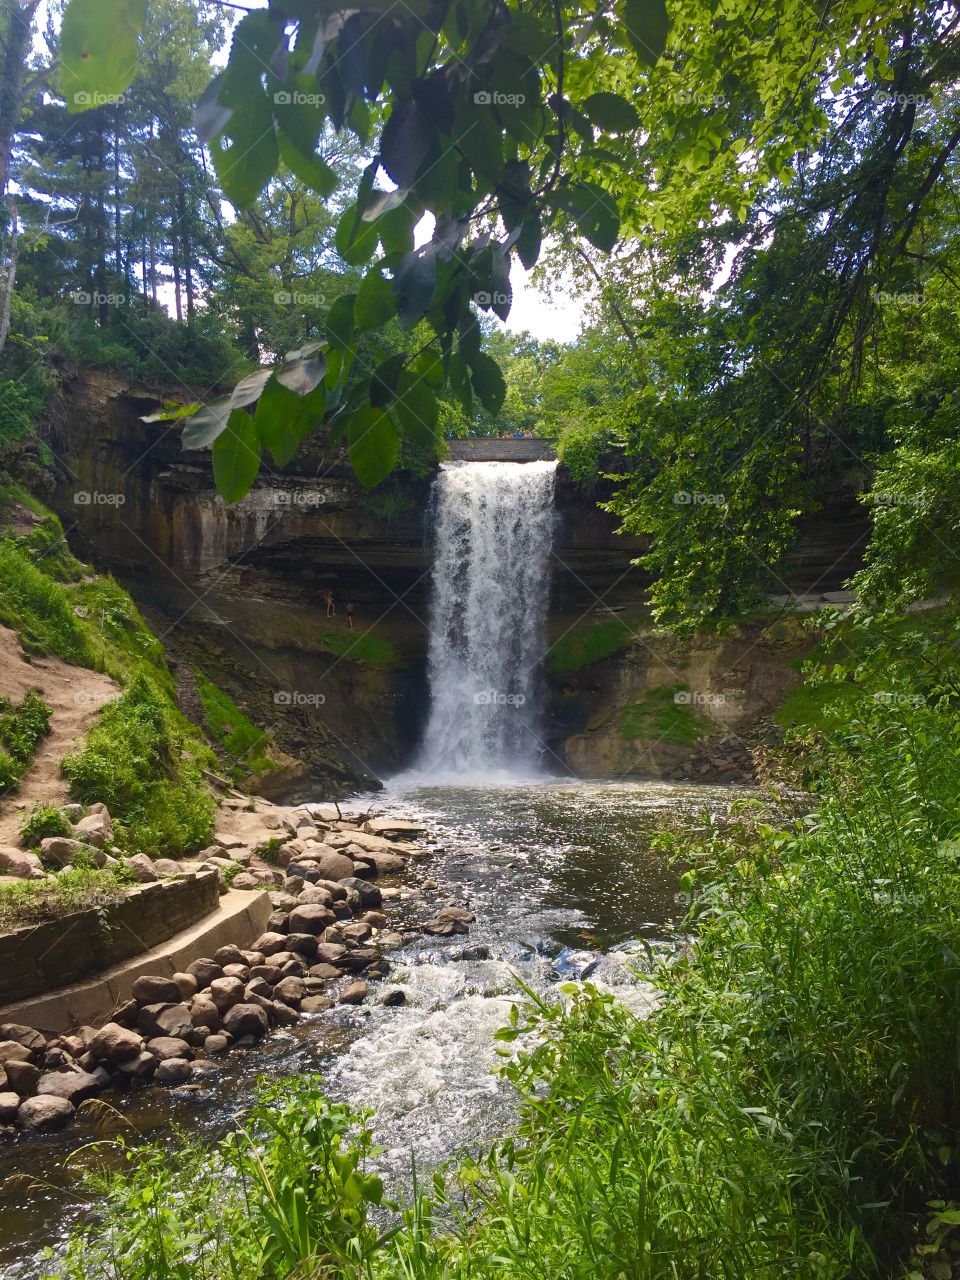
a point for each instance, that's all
(329, 602)
(350, 614)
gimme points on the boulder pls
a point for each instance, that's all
(241, 971)
(302, 944)
(9, 1106)
(354, 993)
(336, 890)
(312, 919)
(143, 868)
(75, 1086)
(22, 1077)
(369, 894)
(33, 1041)
(260, 987)
(290, 990)
(20, 864)
(226, 992)
(376, 919)
(283, 901)
(152, 989)
(293, 884)
(331, 953)
(386, 864)
(282, 1015)
(277, 922)
(61, 851)
(269, 943)
(245, 881)
(230, 954)
(166, 1019)
(313, 896)
(12, 1049)
(398, 827)
(167, 867)
(217, 1043)
(173, 1071)
(267, 973)
(325, 972)
(44, 1114)
(246, 1019)
(163, 1047)
(294, 968)
(95, 829)
(361, 958)
(141, 1067)
(204, 970)
(333, 866)
(114, 1044)
(395, 996)
(187, 985)
(357, 932)
(204, 1013)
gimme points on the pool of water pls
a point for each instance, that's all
(565, 882)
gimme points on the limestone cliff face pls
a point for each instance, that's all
(239, 592)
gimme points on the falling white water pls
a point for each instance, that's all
(491, 584)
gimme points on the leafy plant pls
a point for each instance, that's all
(43, 821)
(22, 729)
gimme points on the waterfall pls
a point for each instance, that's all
(491, 583)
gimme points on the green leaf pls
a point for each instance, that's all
(648, 26)
(488, 382)
(383, 384)
(610, 112)
(374, 445)
(302, 376)
(310, 169)
(339, 321)
(415, 283)
(355, 240)
(376, 302)
(285, 418)
(246, 153)
(98, 50)
(236, 457)
(415, 409)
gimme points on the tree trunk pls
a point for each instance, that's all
(19, 25)
(11, 276)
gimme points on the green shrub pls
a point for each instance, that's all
(583, 646)
(44, 821)
(39, 609)
(75, 888)
(245, 744)
(660, 717)
(134, 761)
(21, 731)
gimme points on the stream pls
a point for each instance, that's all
(564, 883)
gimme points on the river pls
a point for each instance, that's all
(564, 883)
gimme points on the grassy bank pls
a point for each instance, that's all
(788, 1109)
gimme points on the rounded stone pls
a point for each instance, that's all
(152, 989)
(226, 992)
(173, 1071)
(45, 1113)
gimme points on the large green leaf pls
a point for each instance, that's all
(246, 154)
(374, 445)
(648, 26)
(311, 169)
(284, 418)
(339, 321)
(355, 240)
(98, 50)
(488, 382)
(376, 302)
(415, 409)
(236, 457)
(610, 112)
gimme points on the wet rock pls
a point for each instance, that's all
(226, 992)
(268, 973)
(331, 953)
(126, 1014)
(204, 1013)
(44, 1114)
(343, 910)
(294, 968)
(75, 1086)
(354, 993)
(376, 919)
(312, 919)
(187, 985)
(325, 972)
(282, 1014)
(151, 989)
(205, 971)
(386, 864)
(368, 894)
(215, 1044)
(313, 896)
(230, 955)
(57, 1059)
(141, 1067)
(9, 1106)
(114, 1044)
(261, 987)
(361, 958)
(396, 828)
(164, 1020)
(478, 952)
(20, 864)
(290, 990)
(336, 890)
(246, 1020)
(173, 1071)
(163, 1047)
(392, 998)
(315, 1004)
(357, 932)
(143, 868)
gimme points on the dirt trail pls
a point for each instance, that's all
(75, 695)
